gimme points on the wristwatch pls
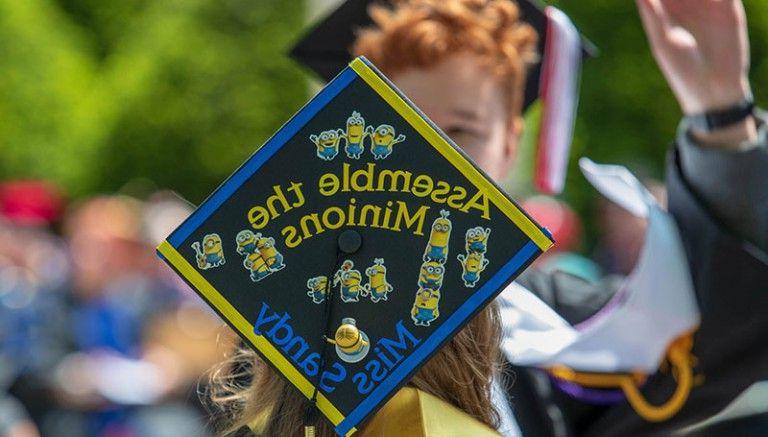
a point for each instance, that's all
(713, 120)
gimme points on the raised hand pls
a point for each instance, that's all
(702, 49)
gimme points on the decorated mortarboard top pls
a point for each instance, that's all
(554, 80)
(358, 233)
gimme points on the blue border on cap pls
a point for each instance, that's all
(260, 156)
(429, 345)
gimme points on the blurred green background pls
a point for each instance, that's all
(97, 94)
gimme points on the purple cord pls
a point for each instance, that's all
(592, 396)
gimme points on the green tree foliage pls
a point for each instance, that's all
(94, 93)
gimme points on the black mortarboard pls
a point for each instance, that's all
(555, 78)
(353, 244)
(325, 48)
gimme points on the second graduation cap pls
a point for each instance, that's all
(352, 245)
(553, 81)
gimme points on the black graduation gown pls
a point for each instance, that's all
(730, 276)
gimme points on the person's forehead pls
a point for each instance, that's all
(459, 85)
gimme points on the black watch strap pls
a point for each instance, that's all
(720, 118)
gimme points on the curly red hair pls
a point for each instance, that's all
(422, 33)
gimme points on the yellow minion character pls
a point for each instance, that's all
(258, 267)
(266, 247)
(327, 143)
(345, 266)
(377, 285)
(437, 247)
(425, 307)
(383, 140)
(354, 136)
(211, 254)
(472, 265)
(352, 344)
(350, 280)
(246, 242)
(476, 239)
(317, 288)
(431, 275)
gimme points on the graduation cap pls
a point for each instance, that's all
(554, 80)
(353, 244)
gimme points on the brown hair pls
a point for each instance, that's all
(422, 33)
(244, 389)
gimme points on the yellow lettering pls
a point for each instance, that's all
(410, 220)
(393, 177)
(258, 216)
(368, 186)
(328, 184)
(482, 205)
(339, 215)
(279, 196)
(374, 210)
(422, 186)
(292, 238)
(455, 200)
(345, 178)
(314, 218)
(442, 190)
(296, 188)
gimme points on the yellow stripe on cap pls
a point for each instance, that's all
(452, 155)
(245, 328)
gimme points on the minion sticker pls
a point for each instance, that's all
(258, 267)
(425, 307)
(437, 247)
(431, 275)
(350, 280)
(327, 143)
(261, 257)
(211, 254)
(352, 344)
(317, 288)
(377, 287)
(266, 247)
(355, 135)
(383, 139)
(472, 265)
(246, 242)
(476, 239)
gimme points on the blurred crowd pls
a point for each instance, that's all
(97, 335)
